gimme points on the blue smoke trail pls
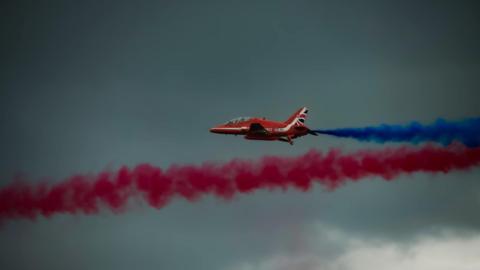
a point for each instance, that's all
(441, 131)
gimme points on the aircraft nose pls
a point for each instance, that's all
(217, 129)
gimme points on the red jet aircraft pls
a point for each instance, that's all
(267, 130)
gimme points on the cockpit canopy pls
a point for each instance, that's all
(237, 120)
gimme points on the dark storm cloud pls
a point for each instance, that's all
(86, 85)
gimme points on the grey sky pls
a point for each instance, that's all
(86, 86)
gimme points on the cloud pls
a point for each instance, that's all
(444, 251)
(447, 252)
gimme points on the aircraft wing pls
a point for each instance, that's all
(257, 129)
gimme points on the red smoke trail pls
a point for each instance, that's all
(85, 194)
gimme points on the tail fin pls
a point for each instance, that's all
(298, 117)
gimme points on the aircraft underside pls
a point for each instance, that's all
(271, 138)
